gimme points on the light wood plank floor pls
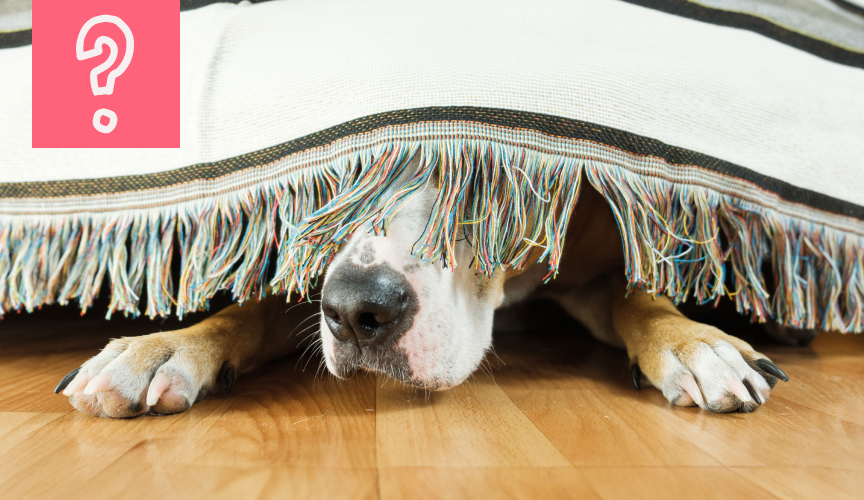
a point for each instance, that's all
(557, 418)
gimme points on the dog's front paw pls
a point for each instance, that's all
(161, 373)
(707, 368)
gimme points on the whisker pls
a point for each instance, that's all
(303, 302)
(311, 345)
(301, 322)
(318, 351)
(321, 366)
(501, 361)
(301, 332)
(311, 335)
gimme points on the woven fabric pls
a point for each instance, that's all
(726, 154)
(832, 21)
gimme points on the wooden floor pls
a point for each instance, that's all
(558, 418)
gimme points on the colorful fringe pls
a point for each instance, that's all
(679, 240)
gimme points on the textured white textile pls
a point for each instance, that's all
(821, 19)
(254, 76)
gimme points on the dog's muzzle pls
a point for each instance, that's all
(368, 306)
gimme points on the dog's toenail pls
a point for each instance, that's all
(773, 369)
(636, 375)
(68, 378)
(226, 376)
(229, 378)
(753, 392)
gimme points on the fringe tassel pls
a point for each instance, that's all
(683, 240)
(678, 240)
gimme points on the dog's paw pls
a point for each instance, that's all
(161, 373)
(707, 368)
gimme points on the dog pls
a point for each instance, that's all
(383, 310)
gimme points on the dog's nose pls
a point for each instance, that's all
(367, 306)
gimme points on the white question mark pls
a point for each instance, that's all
(108, 89)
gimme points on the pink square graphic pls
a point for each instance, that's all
(145, 95)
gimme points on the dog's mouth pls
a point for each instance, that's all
(390, 361)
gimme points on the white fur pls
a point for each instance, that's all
(452, 329)
(709, 377)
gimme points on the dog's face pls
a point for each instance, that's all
(384, 310)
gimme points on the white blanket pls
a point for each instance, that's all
(710, 115)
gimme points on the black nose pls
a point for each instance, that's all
(368, 305)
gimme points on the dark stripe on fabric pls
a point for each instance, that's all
(682, 8)
(12, 39)
(749, 22)
(194, 4)
(546, 124)
(851, 7)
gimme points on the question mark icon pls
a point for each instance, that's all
(108, 89)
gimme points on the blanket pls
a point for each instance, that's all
(726, 135)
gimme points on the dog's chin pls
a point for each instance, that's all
(428, 385)
(345, 370)
(345, 360)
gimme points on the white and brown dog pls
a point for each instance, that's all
(383, 310)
